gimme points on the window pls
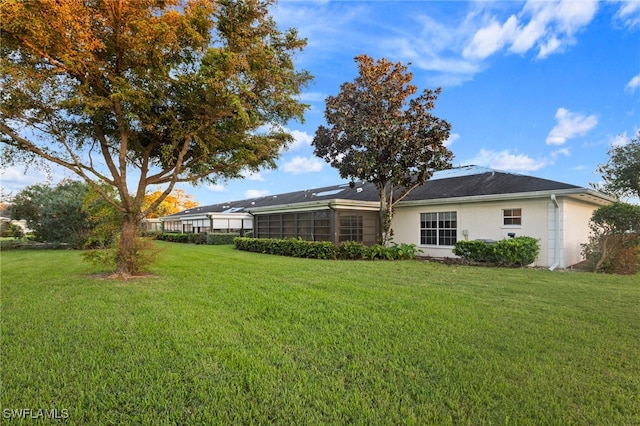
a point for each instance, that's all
(438, 229)
(322, 226)
(351, 228)
(309, 226)
(289, 228)
(512, 216)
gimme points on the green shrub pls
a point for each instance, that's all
(27, 244)
(352, 250)
(10, 244)
(154, 235)
(292, 247)
(11, 230)
(377, 251)
(144, 252)
(403, 251)
(221, 239)
(474, 251)
(174, 237)
(516, 252)
(393, 252)
(513, 252)
(210, 239)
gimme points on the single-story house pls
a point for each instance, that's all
(5, 220)
(467, 202)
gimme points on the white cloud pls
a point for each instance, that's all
(634, 83)
(622, 139)
(451, 139)
(14, 179)
(256, 193)
(555, 23)
(548, 26)
(570, 124)
(505, 160)
(619, 140)
(550, 46)
(301, 140)
(559, 152)
(436, 48)
(490, 39)
(216, 188)
(326, 26)
(629, 13)
(301, 165)
(313, 97)
(253, 176)
(19, 175)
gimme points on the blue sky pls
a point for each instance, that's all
(543, 88)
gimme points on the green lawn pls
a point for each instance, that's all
(228, 337)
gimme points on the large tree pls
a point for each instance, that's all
(54, 213)
(621, 173)
(132, 93)
(614, 243)
(378, 131)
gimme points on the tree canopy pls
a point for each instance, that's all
(55, 214)
(132, 93)
(378, 131)
(621, 173)
(614, 242)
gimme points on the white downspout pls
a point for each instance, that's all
(556, 255)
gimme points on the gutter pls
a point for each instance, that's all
(577, 193)
(556, 255)
(317, 205)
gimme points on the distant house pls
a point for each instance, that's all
(468, 203)
(5, 220)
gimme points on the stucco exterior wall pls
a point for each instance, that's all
(541, 219)
(576, 229)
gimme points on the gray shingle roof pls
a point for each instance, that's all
(459, 182)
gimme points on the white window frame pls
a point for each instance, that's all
(440, 231)
(511, 217)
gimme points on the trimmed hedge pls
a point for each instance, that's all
(176, 237)
(350, 250)
(188, 238)
(32, 245)
(513, 252)
(221, 239)
(292, 247)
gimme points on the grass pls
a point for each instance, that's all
(227, 337)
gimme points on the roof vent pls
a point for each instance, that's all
(358, 189)
(233, 210)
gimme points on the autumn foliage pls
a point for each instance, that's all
(132, 94)
(175, 202)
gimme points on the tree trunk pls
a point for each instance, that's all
(126, 259)
(604, 255)
(386, 216)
